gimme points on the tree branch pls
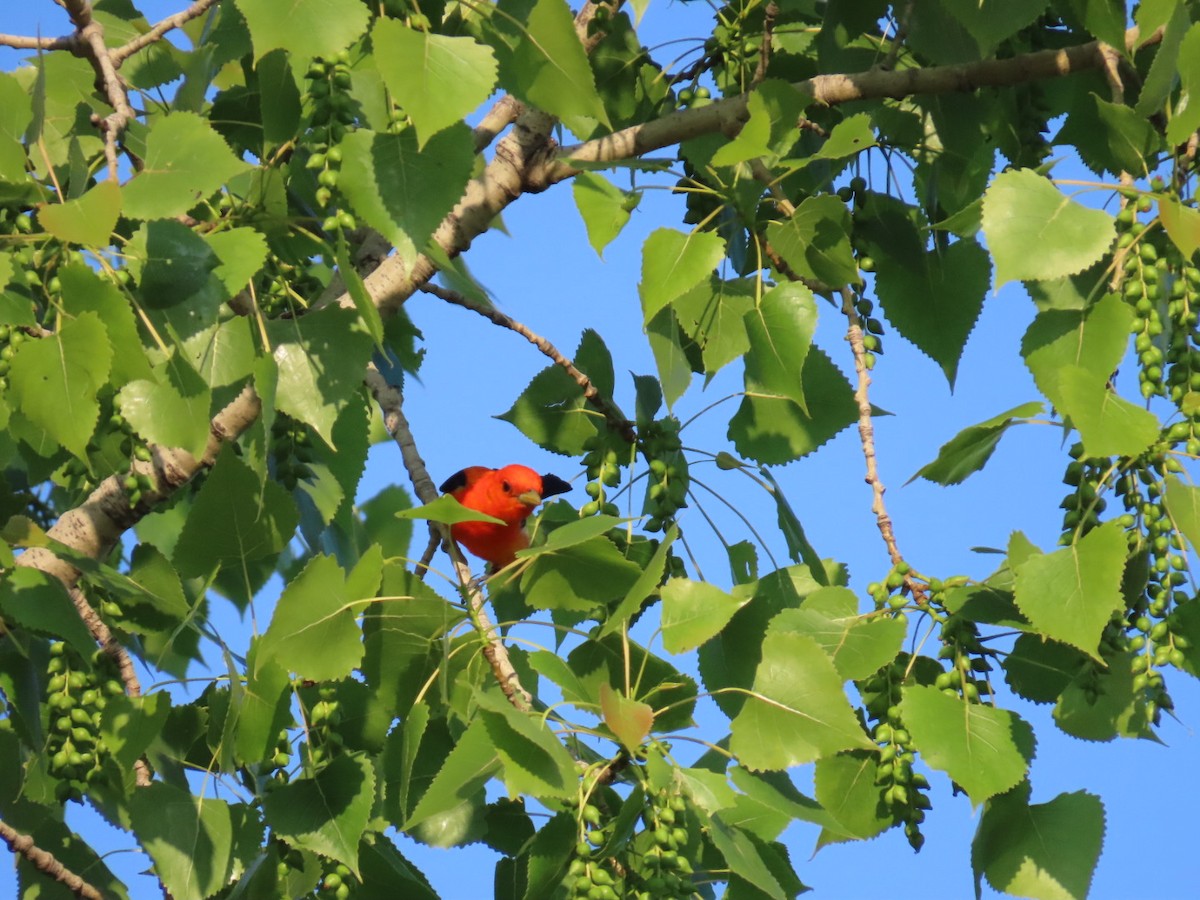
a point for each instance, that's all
(46, 863)
(616, 419)
(160, 28)
(729, 114)
(391, 401)
(91, 36)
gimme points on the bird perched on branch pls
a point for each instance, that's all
(509, 494)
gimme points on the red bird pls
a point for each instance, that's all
(509, 494)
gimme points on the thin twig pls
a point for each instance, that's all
(116, 651)
(23, 42)
(503, 113)
(889, 62)
(615, 418)
(764, 53)
(46, 863)
(120, 54)
(391, 401)
(866, 434)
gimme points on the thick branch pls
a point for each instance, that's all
(616, 419)
(23, 42)
(46, 863)
(728, 115)
(391, 402)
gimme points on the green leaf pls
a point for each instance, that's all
(1164, 72)
(773, 430)
(815, 241)
(607, 661)
(130, 724)
(1094, 338)
(1183, 504)
(265, 709)
(1111, 137)
(604, 207)
(387, 870)
(773, 108)
(1182, 223)
(991, 21)
(573, 533)
(799, 548)
(550, 854)
(534, 758)
(713, 314)
(54, 380)
(552, 411)
(328, 812)
(468, 767)
(401, 189)
(543, 63)
(1105, 19)
(845, 786)
(234, 520)
(1040, 670)
(321, 358)
(85, 291)
(437, 79)
(694, 611)
(16, 109)
(403, 634)
(448, 511)
(1102, 705)
(242, 253)
(304, 29)
(780, 330)
(1035, 232)
(1046, 851)
(313, 632)
(848, 137)
(185, 161)
(629, 720)
(88, 220)
(1070, 595)
(935, 299)
(579, 577)
(742, 856)
(969, 450)
(646, 582)
(35, 600)
(858, 646)
(163, 415)
(798, 711)
(1186, 116)
(674, 262)
(984, 749)
(666, 343)
(1108, 424)
(190, 839)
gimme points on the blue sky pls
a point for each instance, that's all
(546, 275)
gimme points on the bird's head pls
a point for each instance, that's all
(517, 490)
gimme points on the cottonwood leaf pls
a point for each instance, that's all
(984, 749)
(185, 161)
(1036, 232)
(694, 611)
(1045, 851)
(305, 28)
(797, 711)
(326, 813)
(88, 219)
(436, 78)
(313, 632)
(1071, 594)
(54, 380)
(189, 838)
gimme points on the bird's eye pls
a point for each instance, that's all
(506, 487)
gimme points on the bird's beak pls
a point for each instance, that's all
(530, 498)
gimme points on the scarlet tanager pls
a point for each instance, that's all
(509, 494)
